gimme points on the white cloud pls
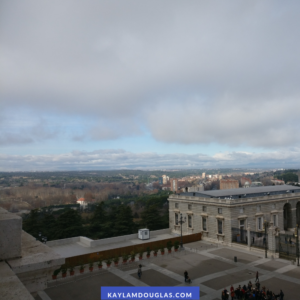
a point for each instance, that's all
(228, 121)
(137, 64)
(27, 131)
(120, 159)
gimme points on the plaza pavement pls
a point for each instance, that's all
(209, 266)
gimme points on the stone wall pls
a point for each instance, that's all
(30, 261)
(10, 285)
(10, 235)
(93, 243)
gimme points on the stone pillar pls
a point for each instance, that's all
(10, 235)
(294, 217)
(272, 239)
(248, 237)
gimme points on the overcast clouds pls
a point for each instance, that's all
(190, 76)
(120, 159)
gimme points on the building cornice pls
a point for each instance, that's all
(234, 202)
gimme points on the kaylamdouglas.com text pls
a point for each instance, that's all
(149, 295)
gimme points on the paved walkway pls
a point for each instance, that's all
(210, 267)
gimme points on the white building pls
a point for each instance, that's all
(83, 203)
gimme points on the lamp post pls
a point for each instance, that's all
(297, 244)
(266, 225)
(181, 221)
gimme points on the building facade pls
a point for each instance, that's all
(215, 213)
(226, 184)
(165, 179)
(196, 188)
(174, 184)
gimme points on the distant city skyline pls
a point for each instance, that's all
(149, 85)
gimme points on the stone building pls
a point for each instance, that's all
(196, 188)
(226, 184)
(215, 213)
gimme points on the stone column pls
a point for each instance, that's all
(248, 237)
(272, 239)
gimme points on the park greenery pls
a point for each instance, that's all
(287, 176)
(102, 220)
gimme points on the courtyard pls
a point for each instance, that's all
(210, 267)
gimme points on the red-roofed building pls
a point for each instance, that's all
(82, 202)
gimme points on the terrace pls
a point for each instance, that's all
(210, 266)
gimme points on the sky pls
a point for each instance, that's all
(149, 84)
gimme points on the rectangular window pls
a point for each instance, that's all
(241, 210)
(204, 227)
(176, 205)
(273, 206)
(242, 223)
(176, 219)
(258, 207)
(219, 210)
(275, 220)
(204, 208)
(190, 207)
(190, 221)
(220, 227)
(259, 223)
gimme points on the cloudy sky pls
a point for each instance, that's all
(149, 84)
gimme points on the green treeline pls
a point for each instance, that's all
(106, 219)
(287, 177)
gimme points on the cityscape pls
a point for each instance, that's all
(149, 150)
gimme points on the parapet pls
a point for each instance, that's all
(26, 264)
(10, 235)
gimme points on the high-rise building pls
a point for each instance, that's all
(165, 179)
(174, 184)
(203, 175)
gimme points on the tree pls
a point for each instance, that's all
(125, 224)
(288, 177)
(98, 226)
(48, 224)
(151, 218)
(120, 220)
(31, 223)
(68, 224)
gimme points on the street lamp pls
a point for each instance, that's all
(181, 221)
(266, 225)
(297, 244)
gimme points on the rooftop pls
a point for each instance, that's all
(246, 192)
